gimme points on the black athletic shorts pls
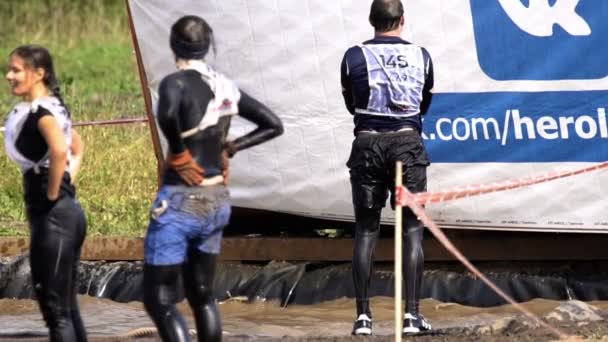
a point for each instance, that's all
(372, 166)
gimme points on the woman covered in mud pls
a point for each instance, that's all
(192, 207)
(39, 137)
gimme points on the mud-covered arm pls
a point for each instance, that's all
(429, 82)
(268, 124)
(170, 94)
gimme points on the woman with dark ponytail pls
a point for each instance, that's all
(39, 137)
(192, 207)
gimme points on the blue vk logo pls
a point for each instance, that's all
(541, 39)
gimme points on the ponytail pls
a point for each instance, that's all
(51, 82)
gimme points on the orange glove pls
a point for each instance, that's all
(188, 170)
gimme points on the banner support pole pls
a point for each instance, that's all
(147, 97)
(398, 254)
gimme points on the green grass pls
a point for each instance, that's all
(91, 47)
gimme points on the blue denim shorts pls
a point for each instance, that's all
(184, 218)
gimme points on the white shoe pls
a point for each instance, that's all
(415, 324)
(363, 325)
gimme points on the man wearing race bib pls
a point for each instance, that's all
(387, 85)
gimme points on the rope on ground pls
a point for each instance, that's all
(148, 332)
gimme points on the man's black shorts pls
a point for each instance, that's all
(372, 166)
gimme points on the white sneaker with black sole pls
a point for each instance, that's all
(363, 325)
(415, 324)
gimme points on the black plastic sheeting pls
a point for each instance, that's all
(306, 283)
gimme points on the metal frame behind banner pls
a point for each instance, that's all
(145, 89)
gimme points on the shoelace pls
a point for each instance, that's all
(364, 317)
(423, 322)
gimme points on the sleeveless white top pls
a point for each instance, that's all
(14, 127)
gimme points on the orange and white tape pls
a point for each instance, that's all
(104, 122)
(411, 202)
(415, 202)
(424, 198)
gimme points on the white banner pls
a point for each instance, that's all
(520, 90)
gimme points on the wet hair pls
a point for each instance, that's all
(36, 56)
(385, 15)
(191, 37)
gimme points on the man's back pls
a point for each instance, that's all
(386, 84)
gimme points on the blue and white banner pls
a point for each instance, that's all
(521, 89)
(514, 127)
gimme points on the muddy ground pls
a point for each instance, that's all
(330, 321)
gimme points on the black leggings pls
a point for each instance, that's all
(161, 293)
(366, 235)
(56, 238)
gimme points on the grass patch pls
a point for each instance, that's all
(91, 47)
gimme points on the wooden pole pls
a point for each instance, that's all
(398, 256)
(160, 159)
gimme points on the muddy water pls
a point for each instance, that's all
(264, 319)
